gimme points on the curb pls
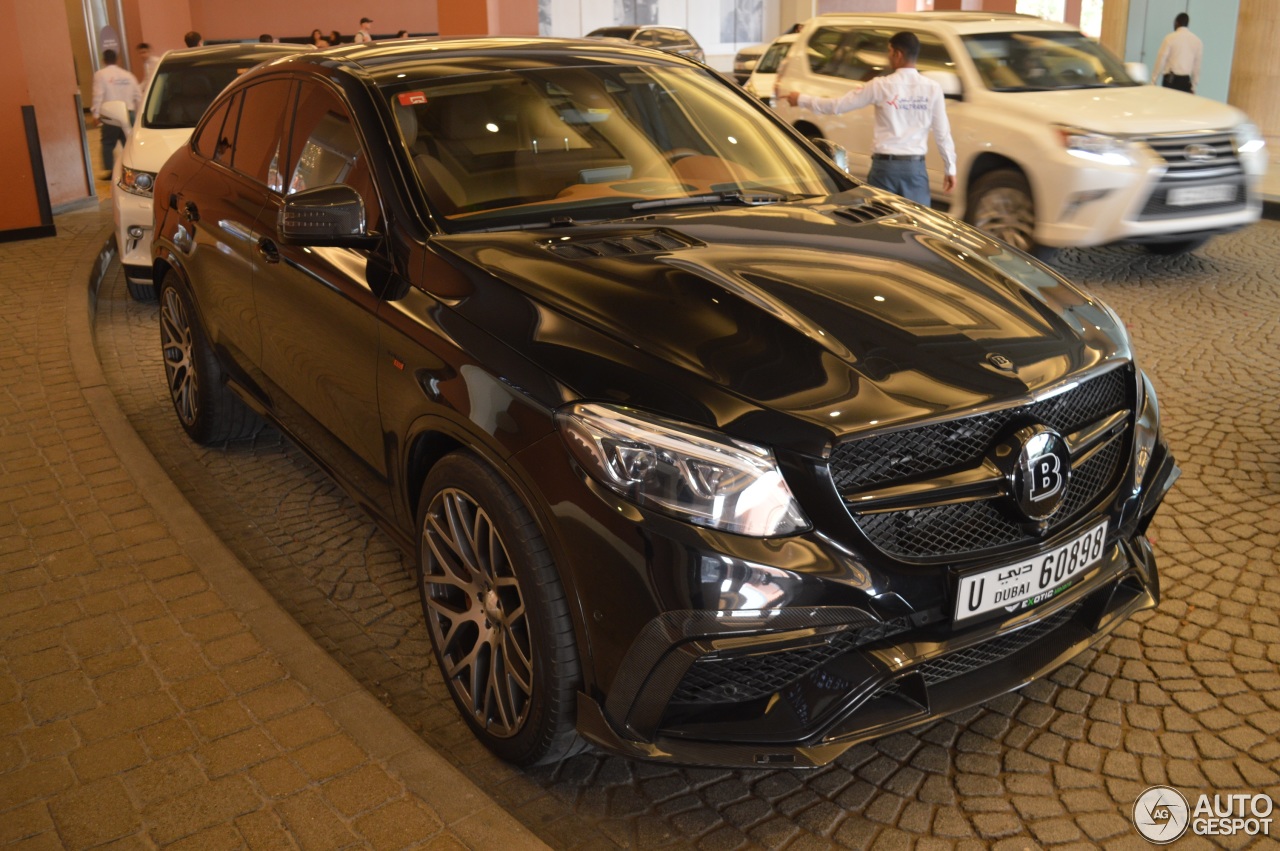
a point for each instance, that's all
(466, 810)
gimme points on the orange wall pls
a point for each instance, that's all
(51, 87)
(20, 208)
(246, 19)
(489, 17)
(160, 23)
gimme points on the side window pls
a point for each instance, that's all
(325, 149)
(258, 146)
(861, 55)
(647, 38)
(206, 138)
(934, 55)
(821, 45)
(225, 147)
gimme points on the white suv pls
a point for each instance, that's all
(184, 84)
(1059, 144)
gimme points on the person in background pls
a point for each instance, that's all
(1178, 61)
(907, 106)
(149, 63)
(318, 39)
(402, 34)
(362, 34)
(111, 82)
(266, 38)
(193, 39)
(334, 37)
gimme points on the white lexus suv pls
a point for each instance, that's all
(1059, 143)
(184, 84)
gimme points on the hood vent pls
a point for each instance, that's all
(620, 245)
(868, 212)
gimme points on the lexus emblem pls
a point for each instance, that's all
(1001, 362)
(1036, 465)
(1199, 153)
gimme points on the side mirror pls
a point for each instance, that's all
(1138, 71)
(836, 153)
(327, 215)
(951, 87)
(115, 113)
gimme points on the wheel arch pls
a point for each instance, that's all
(983, 164)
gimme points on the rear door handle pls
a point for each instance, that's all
(267, 248)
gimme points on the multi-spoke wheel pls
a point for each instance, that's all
(209, 413)
(496, 613)
(1000, 204)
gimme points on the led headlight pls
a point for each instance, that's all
(1248, 138)
(1095, 147)
(137, 182)
(696, 475)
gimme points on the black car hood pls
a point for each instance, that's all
(858, 311)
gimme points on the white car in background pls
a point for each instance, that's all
(184, 84)
(762, 78)
(1058, 142)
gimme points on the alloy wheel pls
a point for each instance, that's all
(1006, 213)
(179, 364)
(476, 612)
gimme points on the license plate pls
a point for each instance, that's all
(1032, 581)
(1187, 196)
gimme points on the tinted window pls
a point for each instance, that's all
(1051, 60)
(224, 146)
(673, 38)
(258, 147)
(206, 140)
(768, 63)
(325, 149)
(864, 55)
(182, 92)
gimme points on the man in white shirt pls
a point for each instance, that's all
(362, 34)
(907, 106)
(1178, 61)
(149, 63)
(111, 82)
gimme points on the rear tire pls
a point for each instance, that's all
(1000, 205)
(497, 614)
(207, 410)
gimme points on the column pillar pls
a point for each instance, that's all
(1255, 69)
(1115, 26)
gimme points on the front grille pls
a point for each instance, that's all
(1158, 206)
(969, 528)
(873, 461)
(987, 653)
(1203, 159)
(741, 678)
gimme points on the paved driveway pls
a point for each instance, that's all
(1188, 695)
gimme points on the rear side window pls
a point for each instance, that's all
(210, 133)
(325, 149)
(258, 148)
(863, 55)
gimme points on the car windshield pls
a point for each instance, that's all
(181, 92)
(589, 143)
(1040, 61)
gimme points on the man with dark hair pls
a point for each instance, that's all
(908, 106)
(1178, 62)
(149, 63)
(193, 39)
(111, 82)
(363, 35)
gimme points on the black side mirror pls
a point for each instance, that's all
(326, 215)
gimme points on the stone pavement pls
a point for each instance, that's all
(151, 693)
(1187, 695)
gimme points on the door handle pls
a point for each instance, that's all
(191, 212)
(268, 250)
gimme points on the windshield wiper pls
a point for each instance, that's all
(751, 199)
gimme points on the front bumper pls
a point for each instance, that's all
(797, 686)
(133, 211)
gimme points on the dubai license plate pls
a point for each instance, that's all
(1033, 581)
(1188, 196)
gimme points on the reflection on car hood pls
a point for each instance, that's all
(148, 148)
(797, 309)
(1139, 111)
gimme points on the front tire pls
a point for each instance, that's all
(1000, 204)
(497, 614)
(207, 410)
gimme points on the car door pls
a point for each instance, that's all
(217, 209)
(316, 305)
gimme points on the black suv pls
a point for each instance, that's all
(704, 452)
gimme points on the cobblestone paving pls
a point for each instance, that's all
(1187, 695)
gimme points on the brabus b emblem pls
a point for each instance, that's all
(1001, 362)
(1046, 476)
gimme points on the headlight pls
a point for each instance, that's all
(137, 182)
(1095, 147)
(695, 475)
(1249, 138)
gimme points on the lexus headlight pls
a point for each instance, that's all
(1095, 147)
(1249, 138)
(137, 182)
(696, 475)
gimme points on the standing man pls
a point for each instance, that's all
(111, 82)
(149, 63)
(362, 34)
(1179, 58)
(907, 107)
(193, 39)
